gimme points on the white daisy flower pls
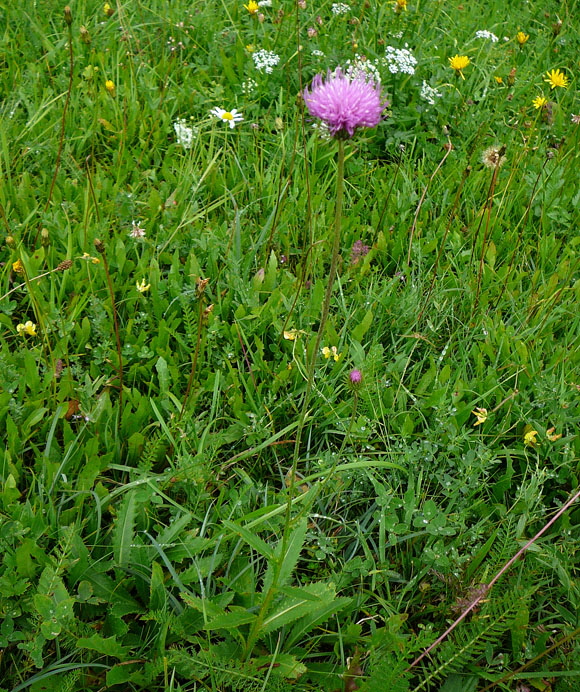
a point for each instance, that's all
(232, 117)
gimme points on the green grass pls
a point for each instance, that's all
(152, 535)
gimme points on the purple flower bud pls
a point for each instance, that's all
(355, 377)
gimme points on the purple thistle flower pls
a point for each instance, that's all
(358, 251)
(355, 377)
(344, 103)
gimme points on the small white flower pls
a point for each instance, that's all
(265, 60)
(264, 3)
(232, 117)
(340, 8)
(484, 33)
(183, 133)
(318, 53)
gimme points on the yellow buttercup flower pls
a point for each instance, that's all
(540, 102)
(143, 287)
(252, 7)
(459, 63)
(26, 328)
(110, 86)
(481, 415)
(522, 38)
(556, 78)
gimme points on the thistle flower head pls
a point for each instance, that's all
(344, 103)
(355, 378)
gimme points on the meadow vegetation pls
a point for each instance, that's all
(235, 460)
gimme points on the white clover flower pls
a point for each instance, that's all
(361, 68)
(340, 8)
(137, 231)
(487, 35)
(231, 117)
(429, 93)
(183, 133)
(265, 60)
(399, 60)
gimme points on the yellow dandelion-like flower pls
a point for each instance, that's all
(556, 78)
(498, 79)
(110, 86)
(481, 415)
(459, 63)
(18, 267)
(539, 102)
(400, 5)
(252, 7)
(522, 38)
(530, 436)
(26, 328)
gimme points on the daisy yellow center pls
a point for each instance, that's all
(227, 116)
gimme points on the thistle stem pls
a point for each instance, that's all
(310, 368)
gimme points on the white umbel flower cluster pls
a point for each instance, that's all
(399, 60)
(484, 33)
(429, 93)
(361, 68)
(265, 60)
(340, 8)
(183, 133)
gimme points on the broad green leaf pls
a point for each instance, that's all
(123, 532)
(362, 328)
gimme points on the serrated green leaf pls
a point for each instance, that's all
(109, 646)
(289, 559)
(251, 539)
(234, 618)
